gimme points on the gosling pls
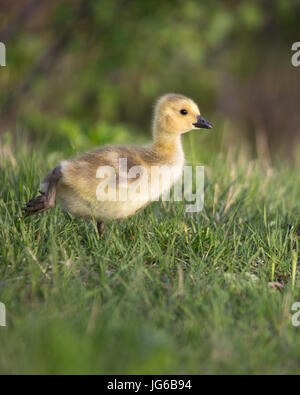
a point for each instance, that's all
(81, 185)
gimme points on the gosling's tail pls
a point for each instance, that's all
(46, 199)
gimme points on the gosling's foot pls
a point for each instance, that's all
(100, 227)
(46, 199)
(37, 205)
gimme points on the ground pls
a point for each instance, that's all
(162, 292)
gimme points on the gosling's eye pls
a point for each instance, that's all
(183, 111)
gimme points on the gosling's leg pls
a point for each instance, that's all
(100, 227)
(46, 199)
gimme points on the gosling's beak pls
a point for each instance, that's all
(202, 123)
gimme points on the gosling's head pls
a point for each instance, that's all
(177, 114)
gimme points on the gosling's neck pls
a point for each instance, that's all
(167, 143)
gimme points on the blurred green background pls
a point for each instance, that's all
(81, 73)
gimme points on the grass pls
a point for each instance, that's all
(163, 292)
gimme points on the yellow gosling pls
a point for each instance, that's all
(116, 182)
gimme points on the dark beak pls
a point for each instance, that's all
(202, 123)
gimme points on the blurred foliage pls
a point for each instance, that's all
(79, 71)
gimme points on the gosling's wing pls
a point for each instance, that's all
(107, 164)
